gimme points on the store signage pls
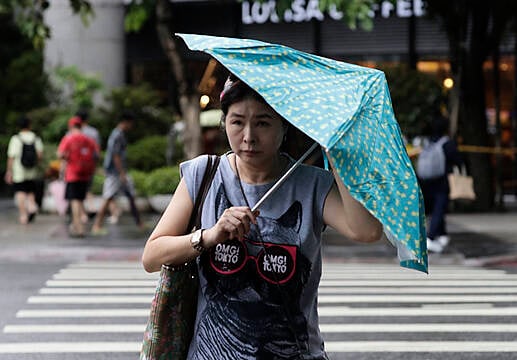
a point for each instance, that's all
(305, 10)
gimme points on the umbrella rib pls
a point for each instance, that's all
(284, 177)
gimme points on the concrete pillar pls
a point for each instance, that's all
(98, 48)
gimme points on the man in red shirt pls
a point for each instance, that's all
(80, 153)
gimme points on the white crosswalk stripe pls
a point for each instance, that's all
(363, 308)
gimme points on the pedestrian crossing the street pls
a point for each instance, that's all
(377, 310)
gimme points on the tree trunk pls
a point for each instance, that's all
(412, 54)
(499, 189)
(188, 95)
(514, 112)
(474, 129)
(189, 104)
(473, 121)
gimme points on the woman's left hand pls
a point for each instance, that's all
(346, 215)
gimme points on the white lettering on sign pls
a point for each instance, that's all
(386, 9)
(306, 10)
(303, 11)
(334, 13)
(418, 8)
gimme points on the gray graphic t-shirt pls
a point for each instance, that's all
(258, 297)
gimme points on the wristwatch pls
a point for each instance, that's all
(196, 241)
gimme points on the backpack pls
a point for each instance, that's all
(431, 161)
(29, 157)
(86, 159)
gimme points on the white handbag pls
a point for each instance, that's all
(461, 186)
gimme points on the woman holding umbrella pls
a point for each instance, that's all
(259, 270)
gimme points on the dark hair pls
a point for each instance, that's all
(236, 92)
(83, 114)
(127, 115)
(23, 122)
(439, 125)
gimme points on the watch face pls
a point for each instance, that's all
(196, 241)
(195, 238)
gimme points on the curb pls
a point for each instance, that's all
(493, 260)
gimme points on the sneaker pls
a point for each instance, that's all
(434, 246)
(443, 240)
(99, 232)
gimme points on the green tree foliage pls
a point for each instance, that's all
(416, 97)
(77, 89)
(151, 116)
(356, 13)
(25, 82)
(139, 178)
(162, 180)
(147, 153)
(71, 90)
(51, 123)
(28, 16)
(97, 183)
(138, 12)
(21, 70)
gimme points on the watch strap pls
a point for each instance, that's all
(199, 246)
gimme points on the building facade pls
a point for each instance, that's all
(96, 49)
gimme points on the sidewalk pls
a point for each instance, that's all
(476, 238)
(47, 238)
(485, 239)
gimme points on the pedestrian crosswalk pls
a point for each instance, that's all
(101, 307)
(384, 309)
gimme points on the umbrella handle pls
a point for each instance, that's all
(284, 177)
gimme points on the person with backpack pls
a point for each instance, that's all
(80, 153)
(24, 152)
(439, 154)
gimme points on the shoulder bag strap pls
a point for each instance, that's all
(211, 169)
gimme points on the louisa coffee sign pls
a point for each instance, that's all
(307, 10)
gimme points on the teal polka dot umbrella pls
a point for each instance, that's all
(347, 110)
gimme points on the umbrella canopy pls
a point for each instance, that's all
(346, 109)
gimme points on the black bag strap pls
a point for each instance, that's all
(211, 169)
(195, 217)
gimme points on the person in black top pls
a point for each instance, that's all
(436, 190)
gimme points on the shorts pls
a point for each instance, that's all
(113, 186)
(27, 186)
(76, 190)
